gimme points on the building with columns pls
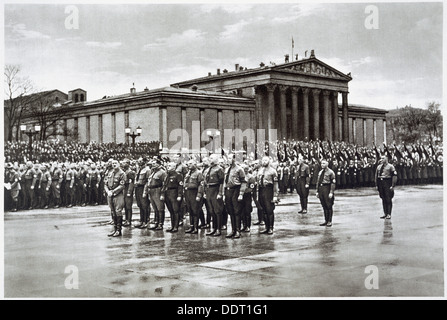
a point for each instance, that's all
(303, 100)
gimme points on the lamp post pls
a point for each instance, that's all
(133, 135)
(30, 133)
(212, 137)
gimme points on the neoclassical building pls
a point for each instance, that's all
(301, 99)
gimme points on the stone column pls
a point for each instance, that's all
(295, 124)
(335, 126)
(258, 112)
(327, 116)
(271, 106)
(306, 113)
(345, 126)
(316, 112)
(283, 110)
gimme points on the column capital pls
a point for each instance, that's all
(270, 87)
(305, 90)
(258, 88)
(316, 92)
(294, 89)
(326, 93)
(283, 88)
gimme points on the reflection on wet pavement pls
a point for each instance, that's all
(301, 259)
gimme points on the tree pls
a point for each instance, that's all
(48, 114)
(17, 90)
(434, 120)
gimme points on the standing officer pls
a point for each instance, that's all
(386, 178)
(114, 187)
(29, 178)
(172, 194)
(260, 213)
(37, 190)
(128, 192)
(95, 178)
(143, 172)
(302, 181)
(235, 185)
(246, 205)
(56, 179)
(204, 224)
(214, 179)
(12, 178)
(70, 177)
(153, 188)
(267, 182)
(183, 170)
(83, 184)
(193, 192)
(45, 184)
(325, 191)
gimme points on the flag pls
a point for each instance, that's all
(293, 43)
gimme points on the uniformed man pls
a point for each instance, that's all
(83, 184)
(214, 179)
(204, 223)
(260, 213)
(267, 182)
(12, 180)
(386, 178)
(114, 187)
(37, 190)
(302, 182)
(29, 179)
(142, 175)
(172, 194)
(183, 170)
(95, 178)
(70, 179)
(246, 204)
(193, 192)
(128, 192)
(45, 185)
(325, 191)
(153, 188)
(234, 185)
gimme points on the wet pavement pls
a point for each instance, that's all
(46, 251)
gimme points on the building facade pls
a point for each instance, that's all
(302, 100)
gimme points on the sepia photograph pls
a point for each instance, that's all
(223, 151)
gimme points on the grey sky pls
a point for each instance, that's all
(154, 45)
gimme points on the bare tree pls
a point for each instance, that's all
(17, 90)
(48, 114)
(434, 120)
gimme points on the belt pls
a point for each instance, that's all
(266, 186)
(175, 188)
(213, 185)
(155, 187)
(193, 188)
(384, 179)
(233, 187)
(324, 184)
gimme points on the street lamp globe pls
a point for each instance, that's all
(127, 130)
(139, 130)
(23, 127)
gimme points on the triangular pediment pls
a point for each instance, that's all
(314, 67)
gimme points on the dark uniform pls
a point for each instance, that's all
(37, 190)
(183, 170)
(246, 203)
(83, 186)
(114, 182)
(214, 179)
(302, 182)
(95, 179)
(153, 189)
(193, 188)
(386, 178)
(45, 185)
(142, 202)
(128, 195)
(326, 185)
(12, 178)
(29, 179)
(56, 179)
(260, 212)
(70, 179)
(235, 185)
(173, 189)
(267, 182)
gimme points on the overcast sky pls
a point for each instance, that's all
(155, 45)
